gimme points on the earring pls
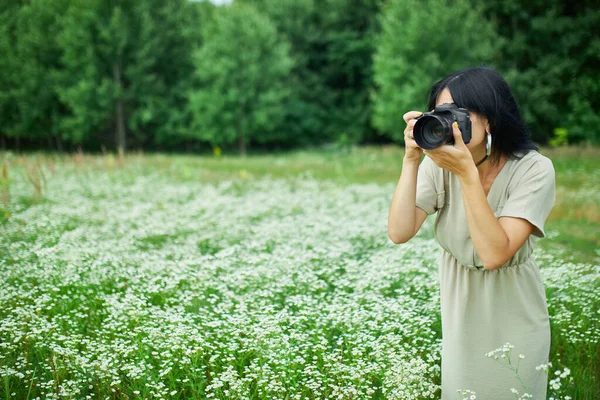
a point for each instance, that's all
(488, 144)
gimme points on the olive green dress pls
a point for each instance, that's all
(481, 310)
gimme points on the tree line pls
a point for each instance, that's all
(280, 74)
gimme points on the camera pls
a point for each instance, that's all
(434, 128)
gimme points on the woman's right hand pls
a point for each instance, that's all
(412, 150)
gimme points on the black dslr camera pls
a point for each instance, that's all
(434, 129)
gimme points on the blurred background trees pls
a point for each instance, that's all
(405, 69)
(278, 74)
(241, 89)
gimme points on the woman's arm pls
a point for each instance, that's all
(495, 240)
(405, 218)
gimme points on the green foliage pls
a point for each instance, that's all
(332, 42)
(75, 70)
(560, 137)
(241, 72)
(85, 79)
(550, 53)
(35, 53)
(9, 13)
(136, 53)
(421, 41)
(349, 32)
(582, 112)
(297, 22)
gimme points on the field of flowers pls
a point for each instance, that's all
(170, 279)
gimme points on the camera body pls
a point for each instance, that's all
(434, 129)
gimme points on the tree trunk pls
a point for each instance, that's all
(242, 131)
(59, 144)
(242, 144)
(18, 144)
(2, 142)
(119, 110)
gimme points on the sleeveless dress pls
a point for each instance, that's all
(481, 310)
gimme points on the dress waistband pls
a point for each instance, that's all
(530, 260)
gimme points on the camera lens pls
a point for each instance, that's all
(435, 127)
(431, 132)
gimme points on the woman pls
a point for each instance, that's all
(492, 197)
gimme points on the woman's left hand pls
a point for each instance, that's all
(455, 158)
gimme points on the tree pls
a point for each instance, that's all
(307, 112)
(8, 81)
(332, 45)
(420, 42)
(550, 54)
(241, 77)
(125, 64)
(350, 29)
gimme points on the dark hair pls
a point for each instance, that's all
(484, 91)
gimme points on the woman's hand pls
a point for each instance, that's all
(412, 150)
(455, 158)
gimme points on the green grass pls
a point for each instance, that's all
(117, 294)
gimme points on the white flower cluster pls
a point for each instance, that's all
(149, 283)
(574, 301)
(555, 383)
(520, 396)
(131, 284)
(501, 352)
(467, 394)
(544, 367)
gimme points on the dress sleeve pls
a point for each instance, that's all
(533, 196)
(426, 190)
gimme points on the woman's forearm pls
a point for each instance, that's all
(488, 236)
(402, 216)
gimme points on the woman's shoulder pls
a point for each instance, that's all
(532, 159)
(531, 168)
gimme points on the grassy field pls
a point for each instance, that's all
(269, 277)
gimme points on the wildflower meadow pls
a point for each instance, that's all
(271, 277)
